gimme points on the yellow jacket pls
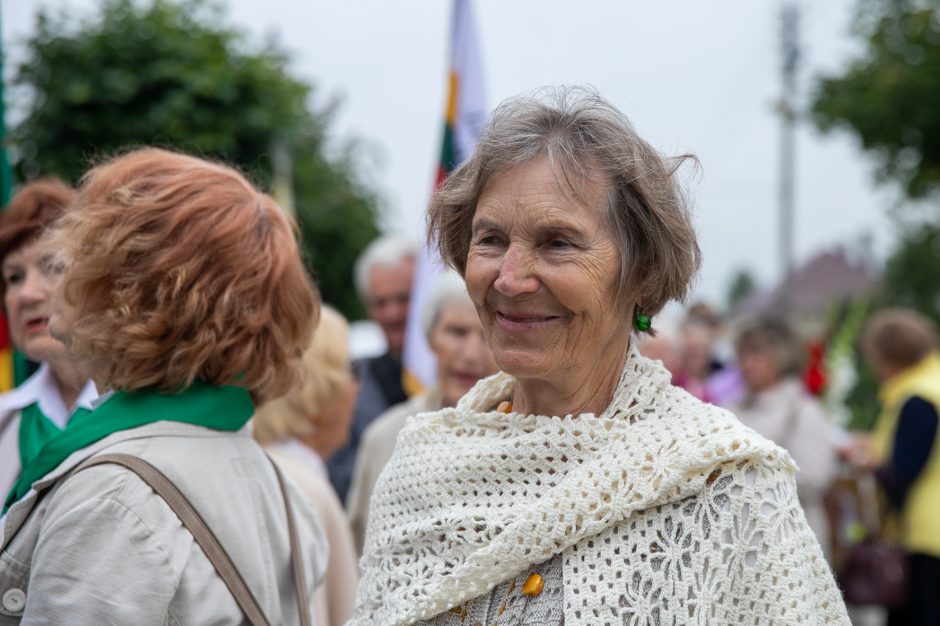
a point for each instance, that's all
(919, 521)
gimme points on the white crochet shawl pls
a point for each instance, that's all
(665, 510)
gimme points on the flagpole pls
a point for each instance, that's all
(464, 114)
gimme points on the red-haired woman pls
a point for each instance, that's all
(40, 407)
(183, 294)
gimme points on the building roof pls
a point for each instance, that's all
(827, 277)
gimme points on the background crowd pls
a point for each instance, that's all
(334, 432)
(838, 364)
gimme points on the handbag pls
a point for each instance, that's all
(872, 570)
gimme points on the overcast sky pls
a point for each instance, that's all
(694, 76)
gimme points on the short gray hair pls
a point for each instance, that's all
(449, 288)
(583, 133)
(384, 251)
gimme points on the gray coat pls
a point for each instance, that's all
(103, 548)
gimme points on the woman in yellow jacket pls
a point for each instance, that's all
(905, 451)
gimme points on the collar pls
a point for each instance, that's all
(41, 388)
(219, 408)
(898, 385)
(28, 392)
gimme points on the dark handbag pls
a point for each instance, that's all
(873, 570)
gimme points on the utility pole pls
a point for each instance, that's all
(790, 48)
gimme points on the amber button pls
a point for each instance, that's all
(504, 407)
(533, 585)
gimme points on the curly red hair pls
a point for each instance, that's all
(178, 269)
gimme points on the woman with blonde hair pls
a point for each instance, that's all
(300, 431)
(157, 507)
(904, 449)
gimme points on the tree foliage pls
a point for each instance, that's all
(909, 281)
(910, 276)
(742, 285)
(171, 74)
(889, 96)
(337, 220)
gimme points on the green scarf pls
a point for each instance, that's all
(218, 408)
(35, 430)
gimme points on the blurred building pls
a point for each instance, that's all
(832, 276)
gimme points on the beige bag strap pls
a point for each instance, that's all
(203, 535)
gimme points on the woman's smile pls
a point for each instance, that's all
(524, 320)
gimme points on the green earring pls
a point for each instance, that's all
(642, 322)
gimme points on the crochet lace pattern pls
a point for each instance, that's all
(665, 510)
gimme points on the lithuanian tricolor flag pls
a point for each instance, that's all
(465, 114)
(466, 99)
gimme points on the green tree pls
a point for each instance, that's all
(910, 275)
(337, 220)
(889, 96)
(172, 74)
(742, 285)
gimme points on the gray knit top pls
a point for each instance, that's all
(506, 605)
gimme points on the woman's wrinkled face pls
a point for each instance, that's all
(463, 357)
(758, 366)
(543, 271)
(30, 274)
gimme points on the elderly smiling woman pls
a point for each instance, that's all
(578, 486)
